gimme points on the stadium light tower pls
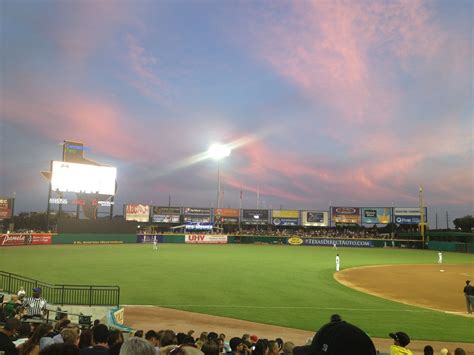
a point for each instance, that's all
(218, 152)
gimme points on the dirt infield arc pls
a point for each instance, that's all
(438, 287)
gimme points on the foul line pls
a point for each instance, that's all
(286, 307)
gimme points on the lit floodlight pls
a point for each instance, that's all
(218, 151)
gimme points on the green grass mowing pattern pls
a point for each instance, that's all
(282, 285)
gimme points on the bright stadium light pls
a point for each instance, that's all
(218, 151)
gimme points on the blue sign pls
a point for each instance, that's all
(407, 219)
(339, 242)
(285, 221)
(198, 227)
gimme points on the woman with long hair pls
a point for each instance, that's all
(32, 345)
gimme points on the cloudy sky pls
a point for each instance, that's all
(353, 103)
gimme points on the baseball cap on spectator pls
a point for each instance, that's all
(37, 289)
(254, 338)
(234, 343)
(402, 338)
(341, 337)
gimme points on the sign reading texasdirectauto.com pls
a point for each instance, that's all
(16, 239)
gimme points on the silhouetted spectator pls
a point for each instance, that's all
(85, 339)
(6, 345)
(100, 336)
(428, 350)
(210, 347)
(340, 337)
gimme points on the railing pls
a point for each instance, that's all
(85, 295)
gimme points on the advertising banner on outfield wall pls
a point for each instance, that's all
(345, 215)
(285, 217)
(339, 242)
(255, 217)
(205, 239)
(315, 218)
(285, 214)
(407, 211)
(200, 215)
(25, 239)
(6, 207)
(137, 212)
(408, 215)
(285, 221)
(376, 215)
(226, 215)
(166, 214)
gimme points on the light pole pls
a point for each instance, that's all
(217, 152)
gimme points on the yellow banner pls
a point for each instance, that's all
(285, 213)
(119, 316)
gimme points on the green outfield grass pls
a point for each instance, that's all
(281, 285)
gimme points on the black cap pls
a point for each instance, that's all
(340, 337)
(402, 338)
(234, 343)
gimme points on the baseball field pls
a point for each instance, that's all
(386, 290)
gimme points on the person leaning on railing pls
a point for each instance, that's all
(36, 305)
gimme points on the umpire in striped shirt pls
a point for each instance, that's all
(36, 305)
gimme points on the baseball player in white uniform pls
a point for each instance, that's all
(338, 262)
(440, 257)
(155, 243)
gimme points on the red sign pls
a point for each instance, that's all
(24, 239)
(42, 239)
(205, 239)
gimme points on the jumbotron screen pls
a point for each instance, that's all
(73, 177)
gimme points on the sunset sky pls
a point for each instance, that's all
(348, 103)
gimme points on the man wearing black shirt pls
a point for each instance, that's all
(100, 334)
(9, 329)
(469, 294)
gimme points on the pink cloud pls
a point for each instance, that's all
(141, 61)
(96, 123)
(329, 51)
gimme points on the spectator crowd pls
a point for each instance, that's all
(26, 332)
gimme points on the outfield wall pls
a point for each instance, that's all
(262, 239)
(451, 246)
(74, 238)
(102, 238)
